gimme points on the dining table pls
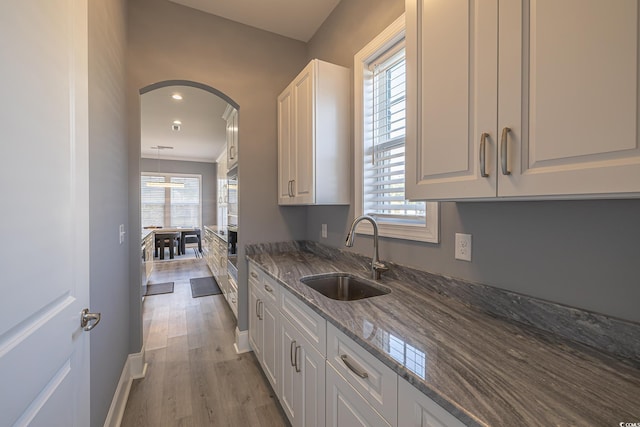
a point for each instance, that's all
(167, 237)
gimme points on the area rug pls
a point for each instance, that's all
(159, 288)
(203, 286)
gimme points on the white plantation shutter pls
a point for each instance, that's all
(185, 202)
(171, 207)
(152, 202)
(384, 155)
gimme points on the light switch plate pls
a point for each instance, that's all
(121, 233)
(463, 247)
(324, 231)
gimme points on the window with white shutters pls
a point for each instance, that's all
(380, 135)
(384, 158)
(171, 206)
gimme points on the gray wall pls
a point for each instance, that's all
(209, 181)
(167, 41)
(108, 203)
(580, 253)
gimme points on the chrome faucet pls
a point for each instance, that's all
(377, 268)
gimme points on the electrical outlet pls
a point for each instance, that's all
(121, 233)
(463, 247)
(324, 231)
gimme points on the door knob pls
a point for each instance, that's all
(88, 321)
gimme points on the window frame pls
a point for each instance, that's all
(427, 232)
(167, 193)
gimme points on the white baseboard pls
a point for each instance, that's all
(134, 368)
(242, 341)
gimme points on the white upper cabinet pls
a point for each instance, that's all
(313, 137)
(231, 116)
(522, 99)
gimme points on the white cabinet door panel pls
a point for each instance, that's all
(303, 182)
(569, 97)
(417, 410)
(455, 101)
(285, 146)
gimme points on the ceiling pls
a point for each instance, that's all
(296, 19)
(202, 132)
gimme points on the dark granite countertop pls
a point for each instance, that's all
(483, 368)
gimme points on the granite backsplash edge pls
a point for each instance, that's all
(605, 333)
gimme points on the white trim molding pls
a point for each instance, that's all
(242, 341)
(429, 232)
(134, 368)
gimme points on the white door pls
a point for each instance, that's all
(44, 273)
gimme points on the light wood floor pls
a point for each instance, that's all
(194, 377)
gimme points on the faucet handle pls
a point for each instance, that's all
(378, 269)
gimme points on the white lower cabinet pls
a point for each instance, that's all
(346, 407)
(417, 410)
(321, 376)
(264, 325)
(255, 329)
(303, 379)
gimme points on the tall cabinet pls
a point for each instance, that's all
(313, 137)
(522, 99)
(231, 117)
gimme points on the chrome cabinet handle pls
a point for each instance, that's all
(291, 347)
(261, 313)
(257, 313)
(483, 155)
(268, 288)
(254, 275)
(355, 369)
(293, 191)
(86, 318)
(232, 152)
(504, 151)
(296, 353)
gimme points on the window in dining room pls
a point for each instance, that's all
(171, 206)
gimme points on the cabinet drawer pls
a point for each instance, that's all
(376, 382)
(268, 287)
(346, 407)
(308, 322)
(254, 274)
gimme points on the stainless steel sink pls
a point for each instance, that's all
(344, 287)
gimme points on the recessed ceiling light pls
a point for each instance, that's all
(177, 122)
(177, 96)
